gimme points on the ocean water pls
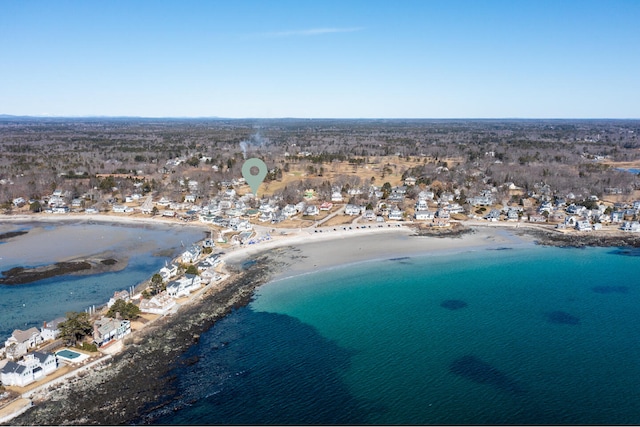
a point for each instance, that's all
(27, 305)
(523, 336)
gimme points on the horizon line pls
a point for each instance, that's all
(6, 116)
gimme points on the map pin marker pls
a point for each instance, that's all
(254, 181)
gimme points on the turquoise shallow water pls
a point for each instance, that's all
(533, 336)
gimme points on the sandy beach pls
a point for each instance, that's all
(153, 351)
(308, 252)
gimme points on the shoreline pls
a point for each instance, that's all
(152, 352)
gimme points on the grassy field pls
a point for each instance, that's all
(384, 169)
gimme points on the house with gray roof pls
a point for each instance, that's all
(33, 367)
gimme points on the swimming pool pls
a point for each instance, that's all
(68, 354)
(71, 356)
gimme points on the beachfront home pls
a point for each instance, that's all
(107, 329)
(33, 367)
(123, 295)
(617, 217)
(49, 330)
(424, 215)
(632, 226)
(168, 271)
(494, 215)
(512, 214)
(191, 254)
(184, 286)
(583, 225)
(396, 214)
(158, 304)
(19, 202)
(210, 275)
(21, 341)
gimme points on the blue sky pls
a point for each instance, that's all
(321, 59)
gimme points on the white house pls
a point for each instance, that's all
(122, 209)
(210, 274)
(421, 205)
(312, 210)
(395, 214)
(123, 295)
(424, 215)
(352, 210)
(168, 271)
(289, 211)
(583, 225)
(33, 367)
(158, 304)
(49, 330)
(336, 196)
(19, 202)
(632, 226)
(184, 286)
(191, 254)
(21, 341)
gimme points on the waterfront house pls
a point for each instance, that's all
(396, 214)
(49, 330)
(184, 286)
(191, 254)
(537, 218)
(424, 215)
(158, 304)
(617, 217)
(123, 295)
(19, 202)
(512, 215)
(168, 271)
(107, 329)
(33, 367)
(21, 341)
(494, 215)
(631, 226)
(583, 225)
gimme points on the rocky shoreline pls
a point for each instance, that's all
(582, 240)
(138, 380)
